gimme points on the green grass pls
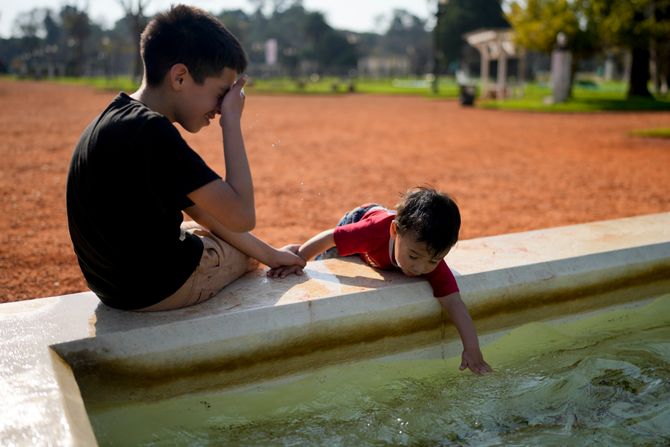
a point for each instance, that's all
(323, 86)
(118, 83)
(332, 86)
(605, 96)
(663, 132)
(588, 96)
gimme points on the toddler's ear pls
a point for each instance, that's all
(393, 229)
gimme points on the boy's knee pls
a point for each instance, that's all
(191, 226)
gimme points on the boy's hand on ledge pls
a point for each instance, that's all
(474, 361)
(284, 271)
(287, 262)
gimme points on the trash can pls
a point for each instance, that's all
(466, 95)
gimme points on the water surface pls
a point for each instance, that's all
(603, 379)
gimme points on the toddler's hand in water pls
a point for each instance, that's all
(474, 361)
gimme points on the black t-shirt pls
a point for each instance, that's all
(127, 184)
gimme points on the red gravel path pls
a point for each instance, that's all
(315, 157)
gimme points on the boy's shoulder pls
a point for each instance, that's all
(129, 124)
(374, 222)
(379, 216)
(125, 114)
(132, 108)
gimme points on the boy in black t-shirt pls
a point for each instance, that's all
(132, 175)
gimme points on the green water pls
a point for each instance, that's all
(600, 380)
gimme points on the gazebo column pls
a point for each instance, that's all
(502, 73)
(484, 69)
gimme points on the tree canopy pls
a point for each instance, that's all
(461, 16)
(597, 25)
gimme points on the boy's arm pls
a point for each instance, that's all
(245, 242)
(307, 251)
(231, 201)
(472, 355)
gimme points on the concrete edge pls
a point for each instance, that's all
(35, 376)
(264, 344)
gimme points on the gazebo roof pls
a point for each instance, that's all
(493, 41)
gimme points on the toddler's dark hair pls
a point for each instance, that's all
(432, 216)
(193, 37)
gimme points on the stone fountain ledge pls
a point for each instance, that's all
(501, 278)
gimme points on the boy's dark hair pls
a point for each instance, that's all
(432, 216)
(193, 37)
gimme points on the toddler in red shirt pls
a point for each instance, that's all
(414, 238)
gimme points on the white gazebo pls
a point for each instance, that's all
(493, 44)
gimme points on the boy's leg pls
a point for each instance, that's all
(220, 265)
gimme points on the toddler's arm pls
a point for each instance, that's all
(472, 357)
(317, 244)
(307, 251)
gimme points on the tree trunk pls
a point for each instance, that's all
(138, 65)
(639, 73)
(138, 26)
(574, 64)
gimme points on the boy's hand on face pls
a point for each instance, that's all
(232, 103)
(474, 361)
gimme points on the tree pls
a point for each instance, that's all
(29, 26)
(134, 12)
(76, 29)
(328, 47)
(627, 24)
(300, 35)
(596, 25)
(52, 29)
(462, 16)
(407, 35)
(537, 24)
(661, 46)
(237, 22)
(639, 25)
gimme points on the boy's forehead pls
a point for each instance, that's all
(229, 73)
(421, 248)
(413, 244)
(226, 78)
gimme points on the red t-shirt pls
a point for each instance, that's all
(371, 239)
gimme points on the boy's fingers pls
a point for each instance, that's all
(241, 82)
(284, 271)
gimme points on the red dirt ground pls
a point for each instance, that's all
(313, 158)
